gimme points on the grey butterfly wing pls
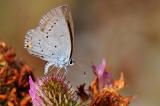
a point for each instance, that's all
(51, 40)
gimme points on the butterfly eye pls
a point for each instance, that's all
(71, 62)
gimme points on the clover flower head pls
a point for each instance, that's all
(52, 90)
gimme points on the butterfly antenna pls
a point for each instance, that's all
(83, 70)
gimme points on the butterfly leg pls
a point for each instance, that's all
(66, 71)
(51, 68)
(47, 65)
(58, 70)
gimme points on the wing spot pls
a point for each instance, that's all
(52, 26)
(46, 36)
(52, 54)
(49, 29)
(29, 45)
(42, 50)
(61, 36)
(55, 46)
(54, 23)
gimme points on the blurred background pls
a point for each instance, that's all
(124, 32)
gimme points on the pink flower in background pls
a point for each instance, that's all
(104, 77)
(105, 90)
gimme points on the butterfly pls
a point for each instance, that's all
(52, 39)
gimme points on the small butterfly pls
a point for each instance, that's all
(52, 39)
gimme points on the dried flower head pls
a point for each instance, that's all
(105, 89)
(14, 74)
(52, 90)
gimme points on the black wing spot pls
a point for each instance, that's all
(54, 23)
(46, 36)
(39, 43)
(42, 50)
(39, 40)
(49, 29)
(52, 26)
(55, 46)
(52, 54)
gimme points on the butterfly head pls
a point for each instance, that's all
(66, 62)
